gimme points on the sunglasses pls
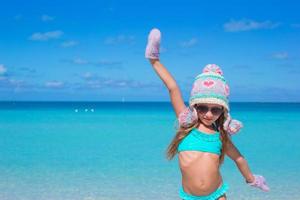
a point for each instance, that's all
(202, 109)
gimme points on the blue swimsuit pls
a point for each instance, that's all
(199, 141)
(204, 142)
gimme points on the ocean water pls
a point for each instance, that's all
(112, 151)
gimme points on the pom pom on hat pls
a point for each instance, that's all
(232, 126)
(187, 116)
(212, 68)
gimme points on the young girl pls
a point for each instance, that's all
(203, 136)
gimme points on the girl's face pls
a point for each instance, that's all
(209, 113)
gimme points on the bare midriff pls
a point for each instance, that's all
(200, 172)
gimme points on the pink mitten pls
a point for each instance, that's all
(152, 49)
(187, 116)
(260, 182)
(232, 126)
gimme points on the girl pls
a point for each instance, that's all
(203, 136)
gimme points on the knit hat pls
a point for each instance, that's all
(210, 87)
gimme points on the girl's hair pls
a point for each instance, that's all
(183, 132)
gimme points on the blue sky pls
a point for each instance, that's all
(94, 50)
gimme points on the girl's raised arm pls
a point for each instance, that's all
(152, 53)
(170, 83)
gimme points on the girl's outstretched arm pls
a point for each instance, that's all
(170, 83)
(240, 161)
(257, 181)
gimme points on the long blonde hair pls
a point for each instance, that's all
(182, 132)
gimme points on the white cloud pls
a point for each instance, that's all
(107, 63)
(101, 63)
(27, 70)
(2, 69)
(87, 75)
(46, 18)
(54, 84)
(190, 43)
(248, 25)
(16, 82)
(120, 39)
(80, 61)
(70, 43)
(11, 83)
(280, 55)
(77, 61)
(46, 36)
(93, 81)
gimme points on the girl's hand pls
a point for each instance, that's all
(152, 49)
(260, 182)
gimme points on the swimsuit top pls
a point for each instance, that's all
(199, 141)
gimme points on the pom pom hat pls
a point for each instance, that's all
(210, 87)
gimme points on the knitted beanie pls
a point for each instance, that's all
(210, 87)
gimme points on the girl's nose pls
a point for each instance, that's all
(209, 114)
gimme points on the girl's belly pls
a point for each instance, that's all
(200, 172)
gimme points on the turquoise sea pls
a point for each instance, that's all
(112, 151)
